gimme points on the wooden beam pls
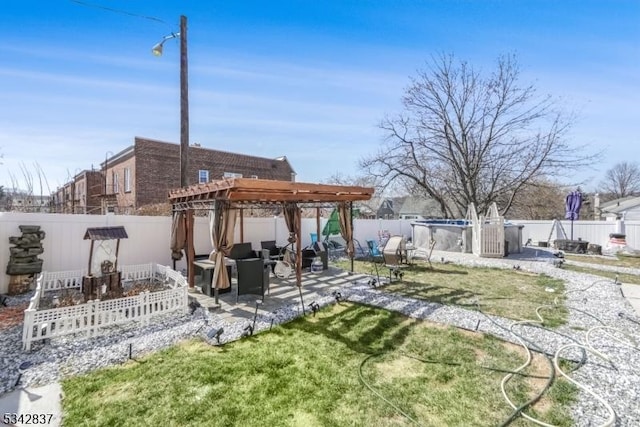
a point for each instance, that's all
(90, 258)
(291, 197)
(115, 267)
(229, 188)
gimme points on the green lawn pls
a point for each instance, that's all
(306, 373)
(617, 261)
(507, 293)
(633, 279)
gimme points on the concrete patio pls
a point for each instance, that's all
(281, 292)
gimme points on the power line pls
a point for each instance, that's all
(122, 12)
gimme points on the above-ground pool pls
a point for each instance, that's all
(455, 235)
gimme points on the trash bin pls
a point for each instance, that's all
(506, 248)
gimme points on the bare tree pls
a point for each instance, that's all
(540, 199)
(465, 138)
(25, 189)
(622, 180)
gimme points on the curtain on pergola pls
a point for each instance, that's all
(222, 229)
(346, 227)
(291, 214)
(178, 235)
(292, 218)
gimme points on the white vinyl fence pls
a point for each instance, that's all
(93, 316)
(149, 237)
(596, 232)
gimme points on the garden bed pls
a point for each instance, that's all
(58, 306)
(60, 298)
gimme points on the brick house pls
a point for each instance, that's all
(143, 173)
(80, 195)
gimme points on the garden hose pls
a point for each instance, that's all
(442, 362)
(554, 360)
(612, 414)
(378, 394)
(587, 347)
(629, 318)
(521, 339)
(518, 410)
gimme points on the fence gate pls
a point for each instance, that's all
(487, 232)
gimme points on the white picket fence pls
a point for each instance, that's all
(92, 317)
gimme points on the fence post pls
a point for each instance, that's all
(27, 329)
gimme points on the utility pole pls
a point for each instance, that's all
(184, 105)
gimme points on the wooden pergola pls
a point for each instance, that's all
(239, 193)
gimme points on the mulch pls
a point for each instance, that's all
(12, 316)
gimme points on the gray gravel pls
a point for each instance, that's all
(592, 302)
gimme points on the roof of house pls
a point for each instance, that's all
(393, 203)
(421, 206)
(620, 205)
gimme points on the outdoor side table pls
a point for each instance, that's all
(206, 276)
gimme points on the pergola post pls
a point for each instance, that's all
(299, 248)
(351, 225)
(318, 224)
(299, 256)
(241, 225)
(191, 254)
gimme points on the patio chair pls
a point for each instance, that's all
(374, 251)
(242, 251)
(393, 255)
(322, 250)
(253, 277)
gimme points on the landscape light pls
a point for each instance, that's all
(314, 307)
(248, 331)
(215, 333)
(21, 370)
(337, 295)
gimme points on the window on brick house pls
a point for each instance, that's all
(114, 181)
(127, 180)
(232, 175)
(203, 176)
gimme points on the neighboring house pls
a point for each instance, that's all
(22, 201)
(143, 173)
(388, 208)
(419, 208)
(81, 195)
(627, 208)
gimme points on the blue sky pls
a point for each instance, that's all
(306, 79)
